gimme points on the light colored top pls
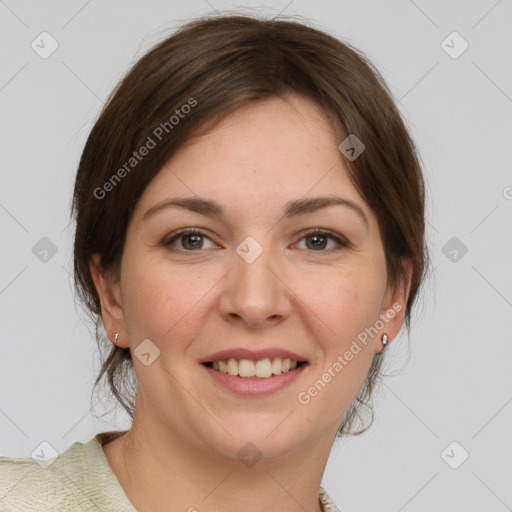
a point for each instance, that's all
(80, 479)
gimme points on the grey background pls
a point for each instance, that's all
(454, 384)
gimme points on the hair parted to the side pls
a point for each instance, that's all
(224, 62)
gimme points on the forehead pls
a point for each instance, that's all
(262, 155)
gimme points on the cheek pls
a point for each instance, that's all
(349, 303)
(348, 306)
(148, 297)
(159, 301)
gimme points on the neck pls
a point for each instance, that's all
(159, 469)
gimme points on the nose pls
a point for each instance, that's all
(255, 293)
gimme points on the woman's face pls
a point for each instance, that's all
(254, 285)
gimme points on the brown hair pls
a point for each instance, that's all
(222, 63)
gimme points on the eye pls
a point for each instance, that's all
(320, 238)
(190, 239)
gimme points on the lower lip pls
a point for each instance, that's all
(256, 387)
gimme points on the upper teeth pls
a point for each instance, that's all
(247, 368)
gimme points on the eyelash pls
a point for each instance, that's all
(311, 232)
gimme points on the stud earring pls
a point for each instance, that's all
(384, 339)
(116, 335)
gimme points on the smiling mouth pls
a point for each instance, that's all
(250, 369)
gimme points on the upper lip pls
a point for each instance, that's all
(256, 355)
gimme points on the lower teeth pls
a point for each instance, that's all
(254, 377)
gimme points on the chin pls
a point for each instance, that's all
(256, 435)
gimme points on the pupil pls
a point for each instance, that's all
(316, 237)
(194, 244)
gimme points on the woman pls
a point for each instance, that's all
(250, 234)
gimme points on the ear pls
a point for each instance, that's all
(109, 291)
(394, 305)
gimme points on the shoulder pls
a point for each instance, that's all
(24, 485)
(78, 479)
(327, 504)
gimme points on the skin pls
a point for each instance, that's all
(182, 447)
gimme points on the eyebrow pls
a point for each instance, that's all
(291, 209)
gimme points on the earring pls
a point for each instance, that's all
(116, 335)
(384, 339)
